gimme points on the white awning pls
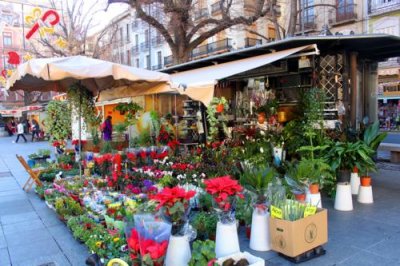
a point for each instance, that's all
(199, 83)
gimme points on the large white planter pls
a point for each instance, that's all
(365, 195)
(259, 238)
(355, 183)
(178, 252)
(343, 199)
(226, 240)
(314, 199)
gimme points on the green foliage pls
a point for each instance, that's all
(214, 121)
(107, 147)
(256, 179)
(81, 98)
(205, 201)
(314, 171)
(130, 109)
(292, 210)
(346, 155)
(244, 210)
(372, 137)
(66, 206)
(58, 120)
(202, 253)
(206, 224)
(155, 124)
(95, 136)
(313, 106)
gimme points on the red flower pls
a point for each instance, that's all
(133, 241)
(169, 196)
(153, 155)
(162, 155)
(143, 155)
(173, 144)
(221, 188)
(131, 156)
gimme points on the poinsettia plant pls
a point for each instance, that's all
(224, 191)
(146, 251)
(174, 203)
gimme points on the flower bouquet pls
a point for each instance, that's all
(175, 206)
(224, 191)
(148, 240)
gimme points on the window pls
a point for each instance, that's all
(146, 37)
(7, 39)
(127, 33)
(271, 33)
(159, 58)
(128, 55)
(121, 35)
(308, 12)
(137, 63)
(148, 61)
(345, 10)
(122, 57)
(136, 40)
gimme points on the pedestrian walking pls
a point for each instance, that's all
(20, 131)
(35, 129)
(107, 129)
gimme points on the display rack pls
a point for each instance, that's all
(190, 109)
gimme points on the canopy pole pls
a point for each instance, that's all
(80, 131)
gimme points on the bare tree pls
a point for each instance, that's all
(74, 27)
(184, 31)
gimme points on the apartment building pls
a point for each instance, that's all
(137, 44)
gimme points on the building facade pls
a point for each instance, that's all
(137, 44)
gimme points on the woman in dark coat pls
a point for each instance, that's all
(107, 129)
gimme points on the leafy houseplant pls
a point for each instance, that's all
(205, 223)
(256, 180)
(203, 252)
(66, 206)
(218, 106)
(58, 120)
(372, 137)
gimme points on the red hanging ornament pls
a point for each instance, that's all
(13, 58)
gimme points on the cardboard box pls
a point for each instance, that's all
(294, 238)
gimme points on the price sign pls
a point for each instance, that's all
(276, 212)
(310, 210)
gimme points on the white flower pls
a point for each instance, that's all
(261, 150)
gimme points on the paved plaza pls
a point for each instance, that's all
(31, 234)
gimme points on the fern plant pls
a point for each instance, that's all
(256, 179)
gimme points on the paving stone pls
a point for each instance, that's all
(388, 247)
(15, 207)
(31, 251)
(29, 236)
(34, 224)
(366, 258)
(4, 257)
(16, 218)
(3, 242)
(58, 259)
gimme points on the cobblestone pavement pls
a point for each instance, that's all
(31, 234)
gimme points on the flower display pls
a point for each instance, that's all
(224, 190)
(175, 205)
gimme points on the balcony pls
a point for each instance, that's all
(217, 47)
(201, 13)
(377, 7)
(344, 14)
(213, 48)
(216, 8)
(135, 49)
(157, 41)
(250, 42)
(157, 67)
(144, 45)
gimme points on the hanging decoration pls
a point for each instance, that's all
(61, 43)
(27, 57)
(13, 58)
(44, 24)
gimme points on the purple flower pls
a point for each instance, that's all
(147, 183)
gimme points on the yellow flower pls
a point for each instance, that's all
(116, 239)
(98, 244)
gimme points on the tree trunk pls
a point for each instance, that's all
(181, 54)
(292, 18)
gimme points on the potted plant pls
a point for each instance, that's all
(244, 214)
(205, 224)
(203, 252)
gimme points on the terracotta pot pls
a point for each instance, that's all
(248, 231)
(314, 188)
(300, 197)
(220, 108)
(261, 118)
(365, 181)
(355, 169)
